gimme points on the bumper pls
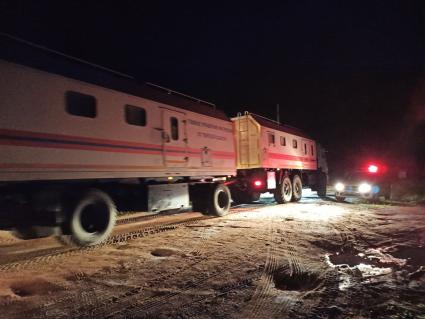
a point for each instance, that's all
(353, 191)
(355, 194)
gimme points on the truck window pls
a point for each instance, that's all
(283, 141)
(174, 124)
(294, 143)
(135, 115)
(271, 138)
(80, 104)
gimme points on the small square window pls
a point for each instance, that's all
(283, 141)
(174, 124)
(80, 104)
(135, 115)
(271, 139)
(294, 143)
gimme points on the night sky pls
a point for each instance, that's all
(349, 73)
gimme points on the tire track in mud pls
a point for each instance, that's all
(223, 291)
(265, 282)
(32, 259)
(92, 302)
(208, 231)
(282, 252)
(130, 303)
(297, 269)
(151, 305)
(260, 304)
(105, 300)
(7, 241)
(35, 258)
(332, 279)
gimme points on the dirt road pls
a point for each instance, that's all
(313, 259)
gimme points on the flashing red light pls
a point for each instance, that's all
(258, 183)
(372, 169)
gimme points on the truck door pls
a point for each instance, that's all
(174, 138)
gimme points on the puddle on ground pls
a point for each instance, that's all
(377, 257)
(354, 266)
(375, 262)
(347, 258)
(413, 255)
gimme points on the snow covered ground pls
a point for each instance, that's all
(313, 259)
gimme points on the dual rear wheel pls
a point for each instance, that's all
(289, 190)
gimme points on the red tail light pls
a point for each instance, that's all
(258, 183)
(372, 169)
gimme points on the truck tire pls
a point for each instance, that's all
(340, 198)
(283, 191)
(33, 232)
(254, 196)
(297, 188)
(321, 184)
(90, 219)
(219, 201)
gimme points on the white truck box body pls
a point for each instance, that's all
(40, 140)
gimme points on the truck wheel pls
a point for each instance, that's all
(297, 189)
(90, 220)
(33, 232)
(254, 196)
(283, 191)
(219, 203)
(339, 198)
(321, 184)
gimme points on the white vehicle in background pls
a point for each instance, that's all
(368, 182)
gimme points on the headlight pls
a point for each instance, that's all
(365, 188)
(339, 187)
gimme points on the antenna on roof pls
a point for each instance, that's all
(169, 91)
(34, 45)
